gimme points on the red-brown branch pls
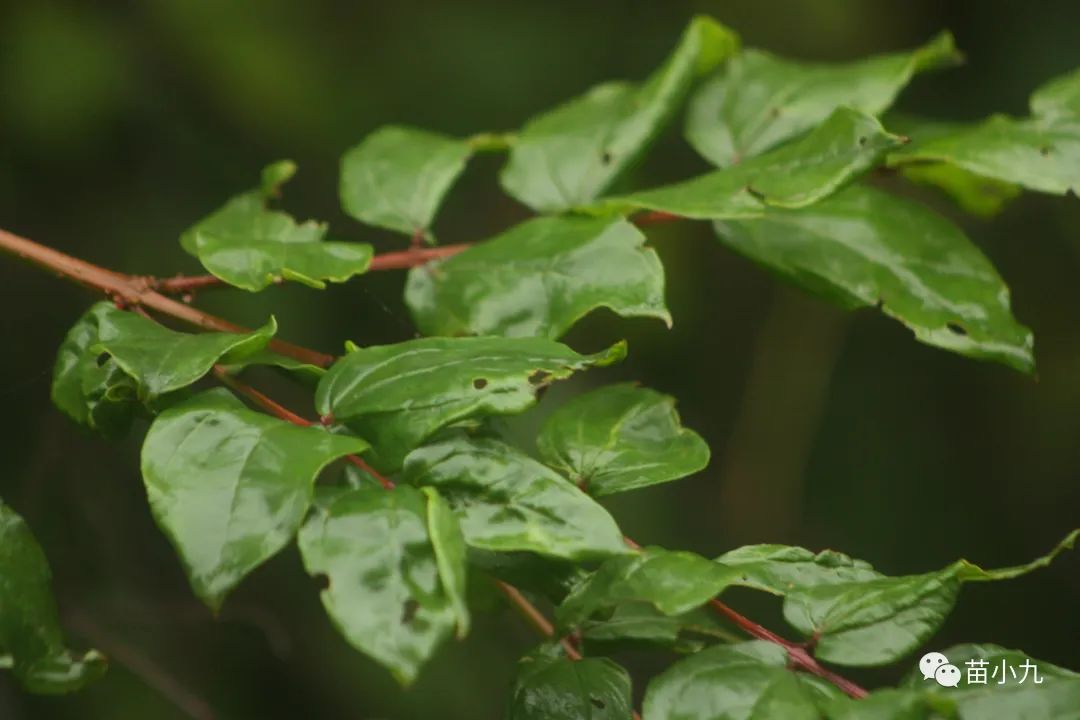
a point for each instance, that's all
(133, 291)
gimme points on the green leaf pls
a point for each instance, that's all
(557, 688)
(758, 100)
(843, 147)
(507, 501)
(974, 194)
(898, 705)
(1041, 152)
(250, 246)
(873, 621)
(780, 569)
(304, 372)
(636, 624)
(742, 681)
(673, 582)
(865, 248)
(230, 486)
(398, 395)
(619, 438)
(570, 155)
(398, 176)
(100, 396)
(538, 279)
(392, 591)
(162, 360)
(448, 542)
(30, 634)
(1057, 697)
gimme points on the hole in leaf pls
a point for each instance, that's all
(102, 359)
(408, 611)
(956, 328)
(538, 377)
(479, 383)
(322, 581)
(597, 703)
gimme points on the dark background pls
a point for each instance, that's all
(123, 123)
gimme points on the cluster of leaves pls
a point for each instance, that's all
(793, 144)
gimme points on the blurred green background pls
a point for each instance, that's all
(122, 123)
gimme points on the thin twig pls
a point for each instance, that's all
(142, 667)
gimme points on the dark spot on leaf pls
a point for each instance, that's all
(597, 703)
(538, 377)
(479, 383)
(408, 611)
(322, 581)
(862, 140)
(956, 328)
(102, 359)
(756, 193)
(605, 157)
(1044, 150)
(774, 111)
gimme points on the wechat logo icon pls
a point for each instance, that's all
(935, 666)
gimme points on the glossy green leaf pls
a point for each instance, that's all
(742, 681)
(758, 100)
(1041, 152)
(897, 705)
(673, 582)
(448, 542)
(974, 194)
(1056, 697)
(392, 583)
(304, 372)
(397, 177)
(548, 687)
(398, 395)
(538, 279)
(872, 621)
(230, 486)
(843, 147)
(568, 156)
(507, 501)
(780, 569)
(96, 394)
(251, 247)
(637, 624)
(30, 634)
(619, 438)
(162, 360)
(865, 248)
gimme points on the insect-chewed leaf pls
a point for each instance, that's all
(230, 486)
(397, 177)
(758, 100)
(619, 438)
(859, 616)
(507, 501)
(99, 395)
(398, 395)
(549, 686)
(1040, 153)
(250, 246)
(843, 147)
(742, 681)
(673, 582)
(162, 360)
(31, 641)
(865, 248)
(395, 579)
(538, 279)
(568, 156)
